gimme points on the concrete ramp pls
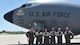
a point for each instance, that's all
(43, 44)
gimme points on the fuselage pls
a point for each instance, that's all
(47, 16)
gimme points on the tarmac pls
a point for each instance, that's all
(49, 44)
(21, 39)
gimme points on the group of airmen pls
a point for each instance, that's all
(49, 35)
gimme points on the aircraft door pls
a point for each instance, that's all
(39, 25)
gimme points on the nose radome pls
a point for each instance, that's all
(9, 16)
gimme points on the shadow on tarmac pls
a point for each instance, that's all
(43, 44)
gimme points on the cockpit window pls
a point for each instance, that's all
(26, 5)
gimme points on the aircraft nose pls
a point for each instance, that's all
(9, 16)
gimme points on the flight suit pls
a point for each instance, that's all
(30, 35)
(59, 37)
(38, 37)
(68, 36)
(53, 34)
(46, 38)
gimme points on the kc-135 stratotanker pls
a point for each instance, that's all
(46, 15)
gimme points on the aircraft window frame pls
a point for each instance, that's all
(28, 5)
